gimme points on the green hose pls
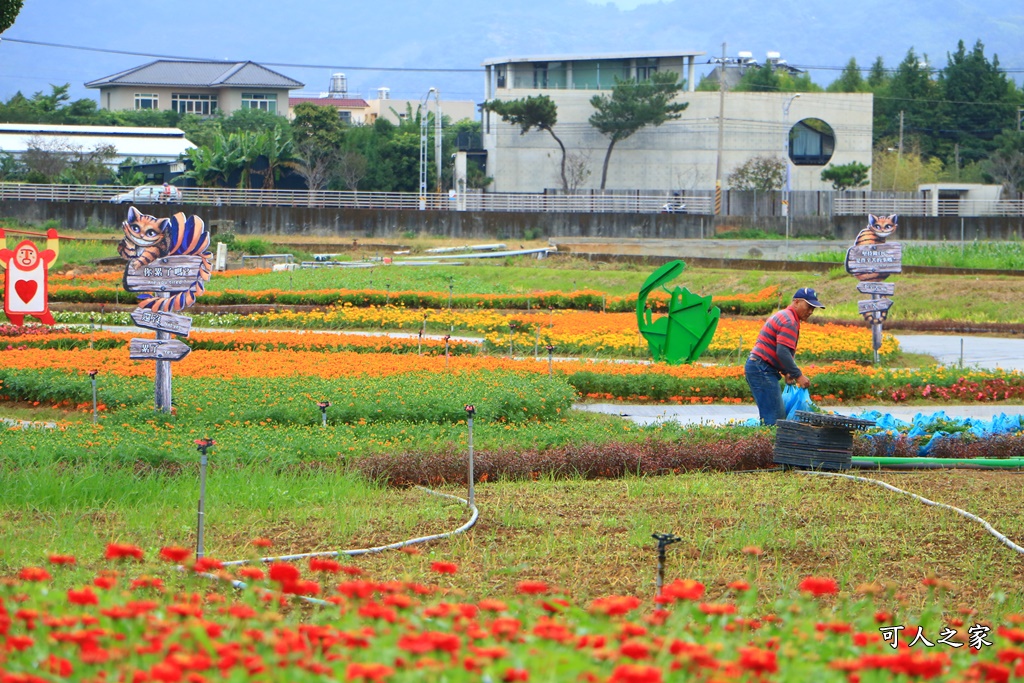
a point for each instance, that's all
(1007, 463)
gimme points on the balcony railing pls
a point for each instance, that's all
(859, 206)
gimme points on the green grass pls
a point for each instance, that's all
(989, 255)
(593, 537)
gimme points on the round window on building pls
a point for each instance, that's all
(811, 143)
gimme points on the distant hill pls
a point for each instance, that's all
(460, 34)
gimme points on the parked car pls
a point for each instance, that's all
(149, 194)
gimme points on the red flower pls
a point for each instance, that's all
(373, 671)
(615, 605)
(717, 608)
(740, 585)
(512, 675)
(635, 673)
(33, 574)
(83, 597)
(175, 553)
(819, 585)
(444, 567)
(681, 589)
(206, 564)
(62, 559)
(317, 564)
(635, 649)
(261, 542)
(758, 660)
(251, 573)
(283, 572)
(58, 666)
(532, 587)
(118, 551)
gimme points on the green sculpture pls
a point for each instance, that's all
(684, 334)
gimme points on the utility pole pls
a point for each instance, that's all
(899, 155)
(721, 133)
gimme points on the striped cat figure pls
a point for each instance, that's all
(876, 232)
(147, 238)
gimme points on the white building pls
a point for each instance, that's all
(679, 155)
(151, 145)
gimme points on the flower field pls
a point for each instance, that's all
(134, 619)
(576, 333)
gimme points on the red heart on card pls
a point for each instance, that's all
(26, 289)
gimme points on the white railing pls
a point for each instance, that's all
(477, 201)
(859, 206)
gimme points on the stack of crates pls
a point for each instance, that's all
(817, 441)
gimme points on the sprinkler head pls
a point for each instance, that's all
(665, 540)
(324, 405)
(203, 444)
(470, 410)
(93, 373)
(550, 348)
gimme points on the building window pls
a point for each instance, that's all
(345, 116)
(500, 74)
(264, 101)
(645, 68)
(146, 101)
(190, 103)
(812, 142)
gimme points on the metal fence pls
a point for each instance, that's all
(736, 203)
(593, 202)
(859, 206)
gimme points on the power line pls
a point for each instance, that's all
(226, 61)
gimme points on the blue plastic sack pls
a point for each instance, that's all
(794, 398)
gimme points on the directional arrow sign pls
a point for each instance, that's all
(883, 288)
(162, 322)
(157, 349)
(875, 258)
(167, 274)
(871, 305)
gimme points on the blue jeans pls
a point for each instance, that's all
(764, 385)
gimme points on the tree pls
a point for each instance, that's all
(759, 173)
(912, 91)
(351, 168)
(846, 176)
(46, 158)
(1006, 165)
(633, 105)
(577, 170)
(979, 101)
(273, 153)
(538, 112)
(8, 13)
(895, 172)
(849, 80)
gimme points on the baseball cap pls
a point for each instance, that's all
(808, 295)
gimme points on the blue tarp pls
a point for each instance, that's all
(922, 424)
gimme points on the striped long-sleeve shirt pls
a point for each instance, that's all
(782, 328)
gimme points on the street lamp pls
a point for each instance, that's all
(789, 173)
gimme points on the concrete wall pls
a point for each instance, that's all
(679, 155)
(499, 225)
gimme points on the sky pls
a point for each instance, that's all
(458, 35)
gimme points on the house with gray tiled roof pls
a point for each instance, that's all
(196, 87)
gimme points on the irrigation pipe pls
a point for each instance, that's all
(475, 514)
(941, 463)
(988, 527)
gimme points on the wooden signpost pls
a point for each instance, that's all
(871, 263)
(180, 325)
(157, 349)
(164, 276)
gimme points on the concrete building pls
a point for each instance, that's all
(819, 128)
(194, 87)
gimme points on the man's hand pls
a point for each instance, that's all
(790, 379)
(803, 382)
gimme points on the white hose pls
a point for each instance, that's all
(988, 527)
(474, 515)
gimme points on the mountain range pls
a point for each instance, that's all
(311, 39)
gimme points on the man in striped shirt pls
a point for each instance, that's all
(772, 357)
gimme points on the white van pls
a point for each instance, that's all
(149, 194)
